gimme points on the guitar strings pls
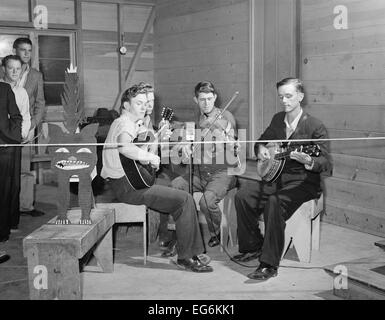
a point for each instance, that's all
(168, 143)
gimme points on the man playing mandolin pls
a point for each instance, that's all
(296, 182)
(178, 203)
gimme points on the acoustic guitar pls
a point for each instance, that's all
(270, 169)
(142, 175)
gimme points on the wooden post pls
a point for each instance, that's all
(103, 253)
(138, 53)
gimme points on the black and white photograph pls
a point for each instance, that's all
(192, 157)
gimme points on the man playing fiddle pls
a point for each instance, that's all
(210, 171)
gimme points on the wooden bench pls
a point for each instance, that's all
(303, 229)
(127, 213)
(53, 253)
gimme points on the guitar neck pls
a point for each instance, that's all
(156, 134)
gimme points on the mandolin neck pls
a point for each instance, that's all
(286, 153)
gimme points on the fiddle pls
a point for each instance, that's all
(216, 122)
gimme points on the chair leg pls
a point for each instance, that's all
(223, 227)
(302, 240)
(145, 240)
(315, 233)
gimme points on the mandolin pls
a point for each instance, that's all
(142, 175)
(270, 169)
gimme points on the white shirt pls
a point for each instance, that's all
(112, 167)
(290, 128)
(22, 101)
(23, 76)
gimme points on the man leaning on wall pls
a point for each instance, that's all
(32, 80)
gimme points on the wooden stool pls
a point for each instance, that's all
(127, 213)
(53, 253)
(303, 229)
(228, 219)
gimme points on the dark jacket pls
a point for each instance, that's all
(35, 89)
(308, 128)
(10, 117)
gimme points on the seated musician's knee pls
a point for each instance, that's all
(182, 197)
(241, 195)
(208, 201)
(180, 184)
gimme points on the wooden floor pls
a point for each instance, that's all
(161, 279)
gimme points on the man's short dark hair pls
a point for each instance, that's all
(20, 41)
(295, 81)
(132, 92)
(147, 86)
(5, 60)
(205, 87)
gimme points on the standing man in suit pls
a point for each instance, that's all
(300, 181)
(12, 68)
(10, 133)
(32, 80)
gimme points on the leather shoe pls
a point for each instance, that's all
(4, 257)
(170, 250)
(193, 265)
(163, 245)
(248, 256)
(202, 258)
(32, 213)
(214, 241)
(263, 272)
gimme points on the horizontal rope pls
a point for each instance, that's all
(168, 143)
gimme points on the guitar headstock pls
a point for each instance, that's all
(167, 113)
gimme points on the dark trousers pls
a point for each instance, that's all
(278, 202)
(7, 166)
(164, 234)
(214, 187)
(15, 205)
(178, 203)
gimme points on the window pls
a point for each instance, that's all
(54, 59)
(6, 43)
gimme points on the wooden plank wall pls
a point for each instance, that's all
(344, 76)
(59, 11)
(14, 10)
(100, 55)
(199, 40)
(279, 56)
(244, 46)
(101, 34)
